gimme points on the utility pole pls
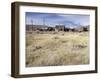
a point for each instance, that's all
(43, 21)
(31, 22)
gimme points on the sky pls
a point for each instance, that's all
(52, 19)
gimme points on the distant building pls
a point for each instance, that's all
(56, 28)
(59, 27)
(82, 28)
(36, 27)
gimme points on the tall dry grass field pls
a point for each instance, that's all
(57, 48)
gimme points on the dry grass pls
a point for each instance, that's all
(53, 49)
